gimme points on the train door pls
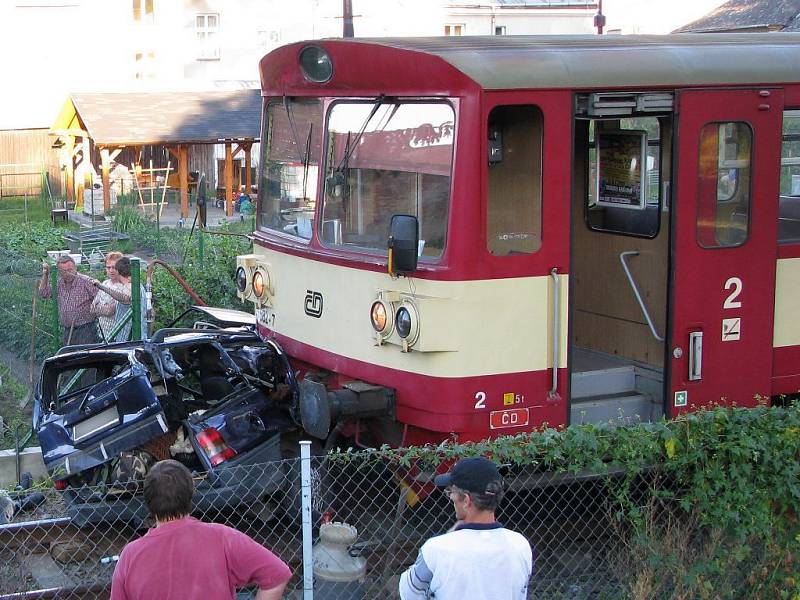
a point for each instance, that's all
(619, 255)
(724, 247)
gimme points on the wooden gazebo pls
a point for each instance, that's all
(112, 122)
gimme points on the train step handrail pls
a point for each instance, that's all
(635, 289)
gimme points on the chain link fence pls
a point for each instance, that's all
(594, 537)
(25, 319)
(26, 339)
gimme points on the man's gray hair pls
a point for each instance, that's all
(488, 500)
(65, 258)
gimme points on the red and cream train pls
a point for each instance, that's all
(469, 237)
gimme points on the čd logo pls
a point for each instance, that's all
(313, 306)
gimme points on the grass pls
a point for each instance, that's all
(24, 209)
(12, 393)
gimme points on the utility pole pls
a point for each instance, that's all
(347, 21)
(599, 18)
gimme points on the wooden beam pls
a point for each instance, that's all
(115, 153)
(228, 180)
(175, 151)
(76, 132)
(86, 163)
(239, 148)
(105, 162)
(248, 180)
(183, 178)
(69, 166)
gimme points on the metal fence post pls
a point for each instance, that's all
(55, 319)
(136, 301)
(305, 511)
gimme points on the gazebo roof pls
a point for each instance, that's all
(144, 118)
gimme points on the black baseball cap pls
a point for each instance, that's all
(472, 474)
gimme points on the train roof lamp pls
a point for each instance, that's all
(403, 245)
(316, 64)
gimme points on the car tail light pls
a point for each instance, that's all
(214, 446)
(60, 484)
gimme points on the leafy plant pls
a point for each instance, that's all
(704, 506)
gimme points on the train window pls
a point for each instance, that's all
(723, 208)
(385, 158)
(623, 195)
(789, 217)
(514, 206)
(290, 152)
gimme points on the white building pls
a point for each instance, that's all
(54, 47)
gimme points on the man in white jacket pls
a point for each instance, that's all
(477, 558)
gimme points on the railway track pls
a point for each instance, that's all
(53, 558)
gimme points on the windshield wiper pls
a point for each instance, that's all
(293, 127)
(350, 148)
(307, 160)
(305, 156)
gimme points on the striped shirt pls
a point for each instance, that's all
(74, 300)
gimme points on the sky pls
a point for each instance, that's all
(41, 78)
(654, 16)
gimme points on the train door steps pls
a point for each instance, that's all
(602, 382)
(606, 388)
(613, 408)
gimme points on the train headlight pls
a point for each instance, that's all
(246, 266)
(259, 284)
(403, 322)
(316, 64)
(380, 317)
(406, 322)
(241, 280)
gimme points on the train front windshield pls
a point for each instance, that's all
(382, 157)
(289, 166)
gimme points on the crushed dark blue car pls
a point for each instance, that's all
(213, 398)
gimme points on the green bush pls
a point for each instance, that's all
(719, 518)
(12, 393)
(212, 278)
(22, 249)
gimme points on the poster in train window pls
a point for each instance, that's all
(621, 168)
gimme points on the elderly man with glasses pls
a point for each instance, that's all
(477, 558)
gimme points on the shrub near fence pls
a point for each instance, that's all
(700, 507)
(22, 249)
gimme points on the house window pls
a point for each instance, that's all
(142, 9)
(454, 29)
(500, 30)
(207, 27)
(145, 65)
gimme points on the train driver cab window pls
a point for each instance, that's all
(723, 207)
(383, 158)
(290, 153)
(789, 217)
(514, 204)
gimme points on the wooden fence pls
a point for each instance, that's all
(25, 155)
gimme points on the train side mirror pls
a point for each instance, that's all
(403, 244)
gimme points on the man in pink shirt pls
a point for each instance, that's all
(188, 559)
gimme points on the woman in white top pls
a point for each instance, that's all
(104, 306)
